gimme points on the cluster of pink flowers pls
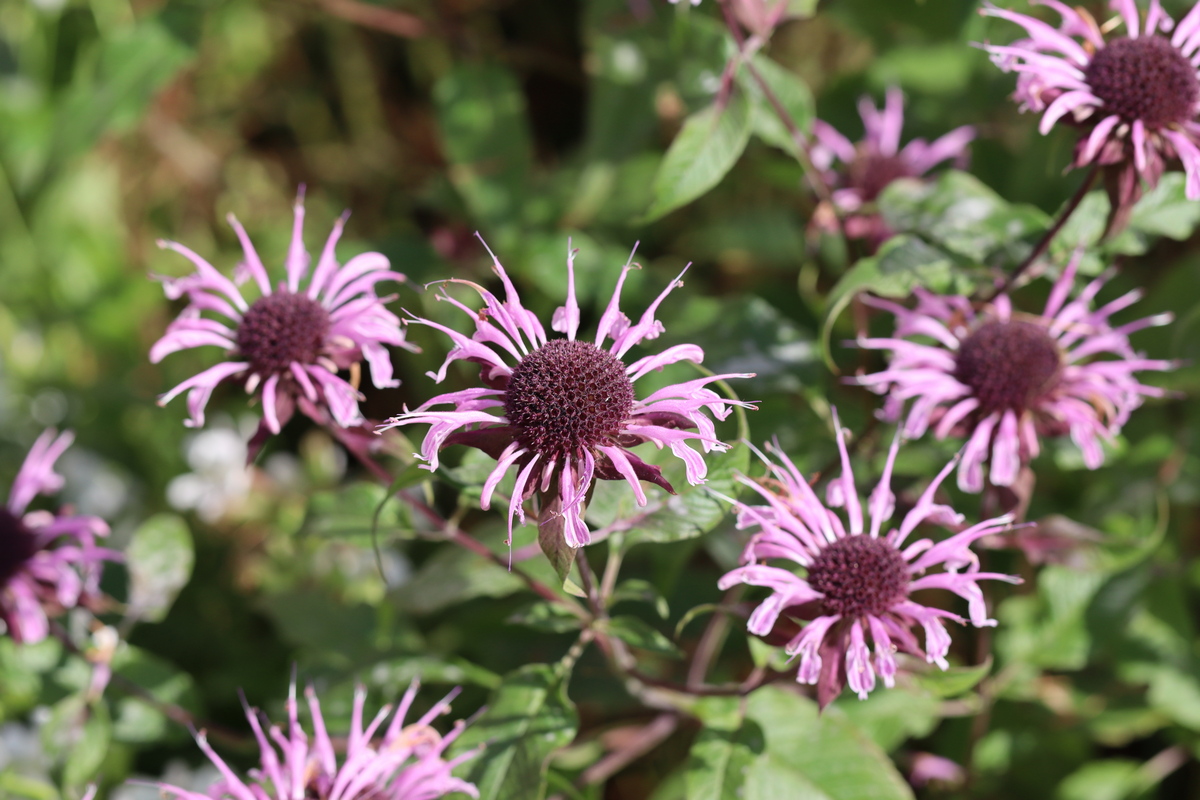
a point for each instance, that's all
(559, 412)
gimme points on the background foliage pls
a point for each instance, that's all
(125, 121)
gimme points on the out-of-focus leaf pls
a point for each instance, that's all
(481, 113)
(129, 68)
(77, 734)
(954, 681)
(754, 336)
(451, 576)
(14, 784)
(314, 620)
(893, 716)
(637, 633)
(959, 213)
(722, 753)
(1111, 779)
(1176, 695)
(706, 148)
(640, 591)
(136, 720)
(528, 717)
(547, 617)
(394, 675)
(355, 510)
(22, 667)
(159, 558)
(788, 90)
(812, 755)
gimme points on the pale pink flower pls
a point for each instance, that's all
(1003, 378)
(858, 580)
(49, 562)
(561, 412)
(857, 173)
(292, 341)
(1134, 95)
(404, 763)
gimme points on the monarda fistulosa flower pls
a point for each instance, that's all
(1134, 95)
(290, 343)
(1003, 379)
(49, 562)
(857, 581)
(562, 412)
(399, 762)
(857, 173)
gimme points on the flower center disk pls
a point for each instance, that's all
(1144, 78)
(282, 328)
(567, 395)
(1008, 365)
(859, 575)
(16, 545)
(871, 173)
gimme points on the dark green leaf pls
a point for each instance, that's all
(637, 633)
(547, 617)
(640, 591)
(954, 681)
(788, 90)
(528, 717)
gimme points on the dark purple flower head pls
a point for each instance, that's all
(1134, 96)
(1003, 379)
(562, 412)
(399, 762)
(49, 563)
(858, 173)
(293, 340)
(858, 581)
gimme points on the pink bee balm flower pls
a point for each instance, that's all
(49, 563)
(1003, 379)
(406, 763)
(561, 412)
(858, 581)
(292, 341)
(867, 168)
(1135, 96)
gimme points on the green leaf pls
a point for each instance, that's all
(357, 510)
(546, 617)
(14, 784)
(709, 144)
(453, 575)
(485, 136)
(79, 735)
(393, 676)
(789, 90)
(528, 717)
(893, 716)
(127, 71)
(666, 518)
(637, 633)
(159, 558)
(1177, 695)
(962, 215)
(954, 681)
(719, 761)
(639, 591)
(812, 755)
(1111, 779)
(137, 720)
